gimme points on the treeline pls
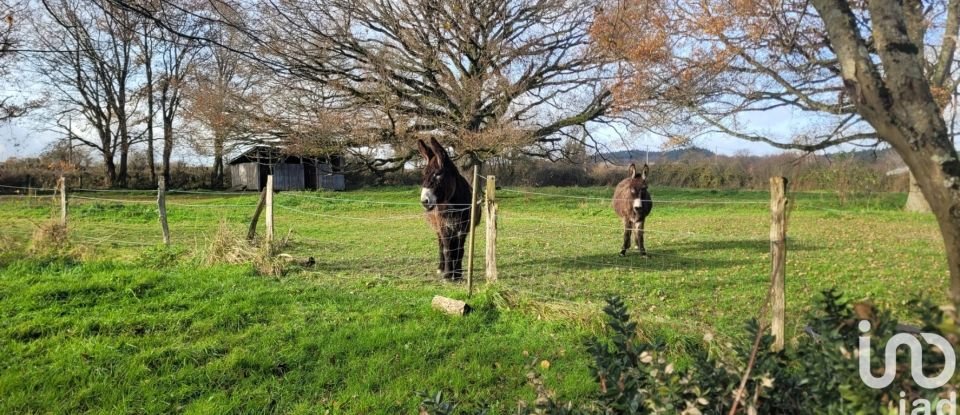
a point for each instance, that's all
(843, 173)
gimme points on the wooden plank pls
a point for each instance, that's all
(778, 258)
(252, 231)
(473, 225)
(491, 221)
(269, 206)
(62, 185)
(162, 207)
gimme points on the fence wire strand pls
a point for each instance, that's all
(342, 253)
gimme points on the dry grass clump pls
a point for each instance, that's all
(50, 239)
(10, 249)
(232, 247)
(586, 315)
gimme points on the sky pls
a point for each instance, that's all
(28, 136)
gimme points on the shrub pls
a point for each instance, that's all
(817, 373)
(159, 256)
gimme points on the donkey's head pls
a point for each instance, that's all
(638, 186)
(439, 175)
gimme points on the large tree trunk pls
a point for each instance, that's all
(216, 179)
(122, 168)
(896, 99)
(167, 147)
(110, 176)
(940, 183)
(915, 200)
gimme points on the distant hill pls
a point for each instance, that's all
(698, 153)
(692, 153)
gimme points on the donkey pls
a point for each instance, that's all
(633, 203)
(445, 196)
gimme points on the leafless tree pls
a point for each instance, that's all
(223, 97)
(89, 63)
(148, 40)
(461, 70)
(13, 15)
(177, 56)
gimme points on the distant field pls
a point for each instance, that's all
(355, 333)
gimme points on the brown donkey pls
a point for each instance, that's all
(445, 195)
(633, 203)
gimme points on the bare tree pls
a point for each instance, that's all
(221, 96)
(11, 27)
(177, 56)
(89, 63)
(148, 40)
(876, 70)
(453, 69)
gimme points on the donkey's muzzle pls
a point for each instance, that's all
(428, 199)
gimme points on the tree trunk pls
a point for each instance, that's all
(167, 148)
(940, 187)
(915, 200)
(216, 178)
(151, 162)
(122, 168)
(896, 100)
(110, 178)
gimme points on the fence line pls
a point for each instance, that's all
(532, 258)
(49, 189)
(154, 202)
(655, 201)
(324, 215)
(376, 202)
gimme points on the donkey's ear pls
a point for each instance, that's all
(644, 171)
(633, 171)
(438, 149)
(425, 151)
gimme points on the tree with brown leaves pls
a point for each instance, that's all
(873, 70)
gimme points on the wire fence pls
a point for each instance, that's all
(368, 233)
(555, 246)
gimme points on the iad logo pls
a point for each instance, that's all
(916, 366)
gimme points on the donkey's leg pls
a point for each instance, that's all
(460, 243)
(639, 232)
(626, 238)
(440, 250)
(446, 261)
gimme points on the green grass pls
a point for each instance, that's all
(355, 333)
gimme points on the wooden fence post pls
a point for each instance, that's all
(473, 224)
(778, 257)
(162, 207)
(491, 222)
(62, 185)
(252, 231)
(269, 206)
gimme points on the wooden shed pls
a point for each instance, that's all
(249, 170)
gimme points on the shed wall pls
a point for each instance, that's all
(288, 177)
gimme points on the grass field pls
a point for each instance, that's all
(119, 332)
